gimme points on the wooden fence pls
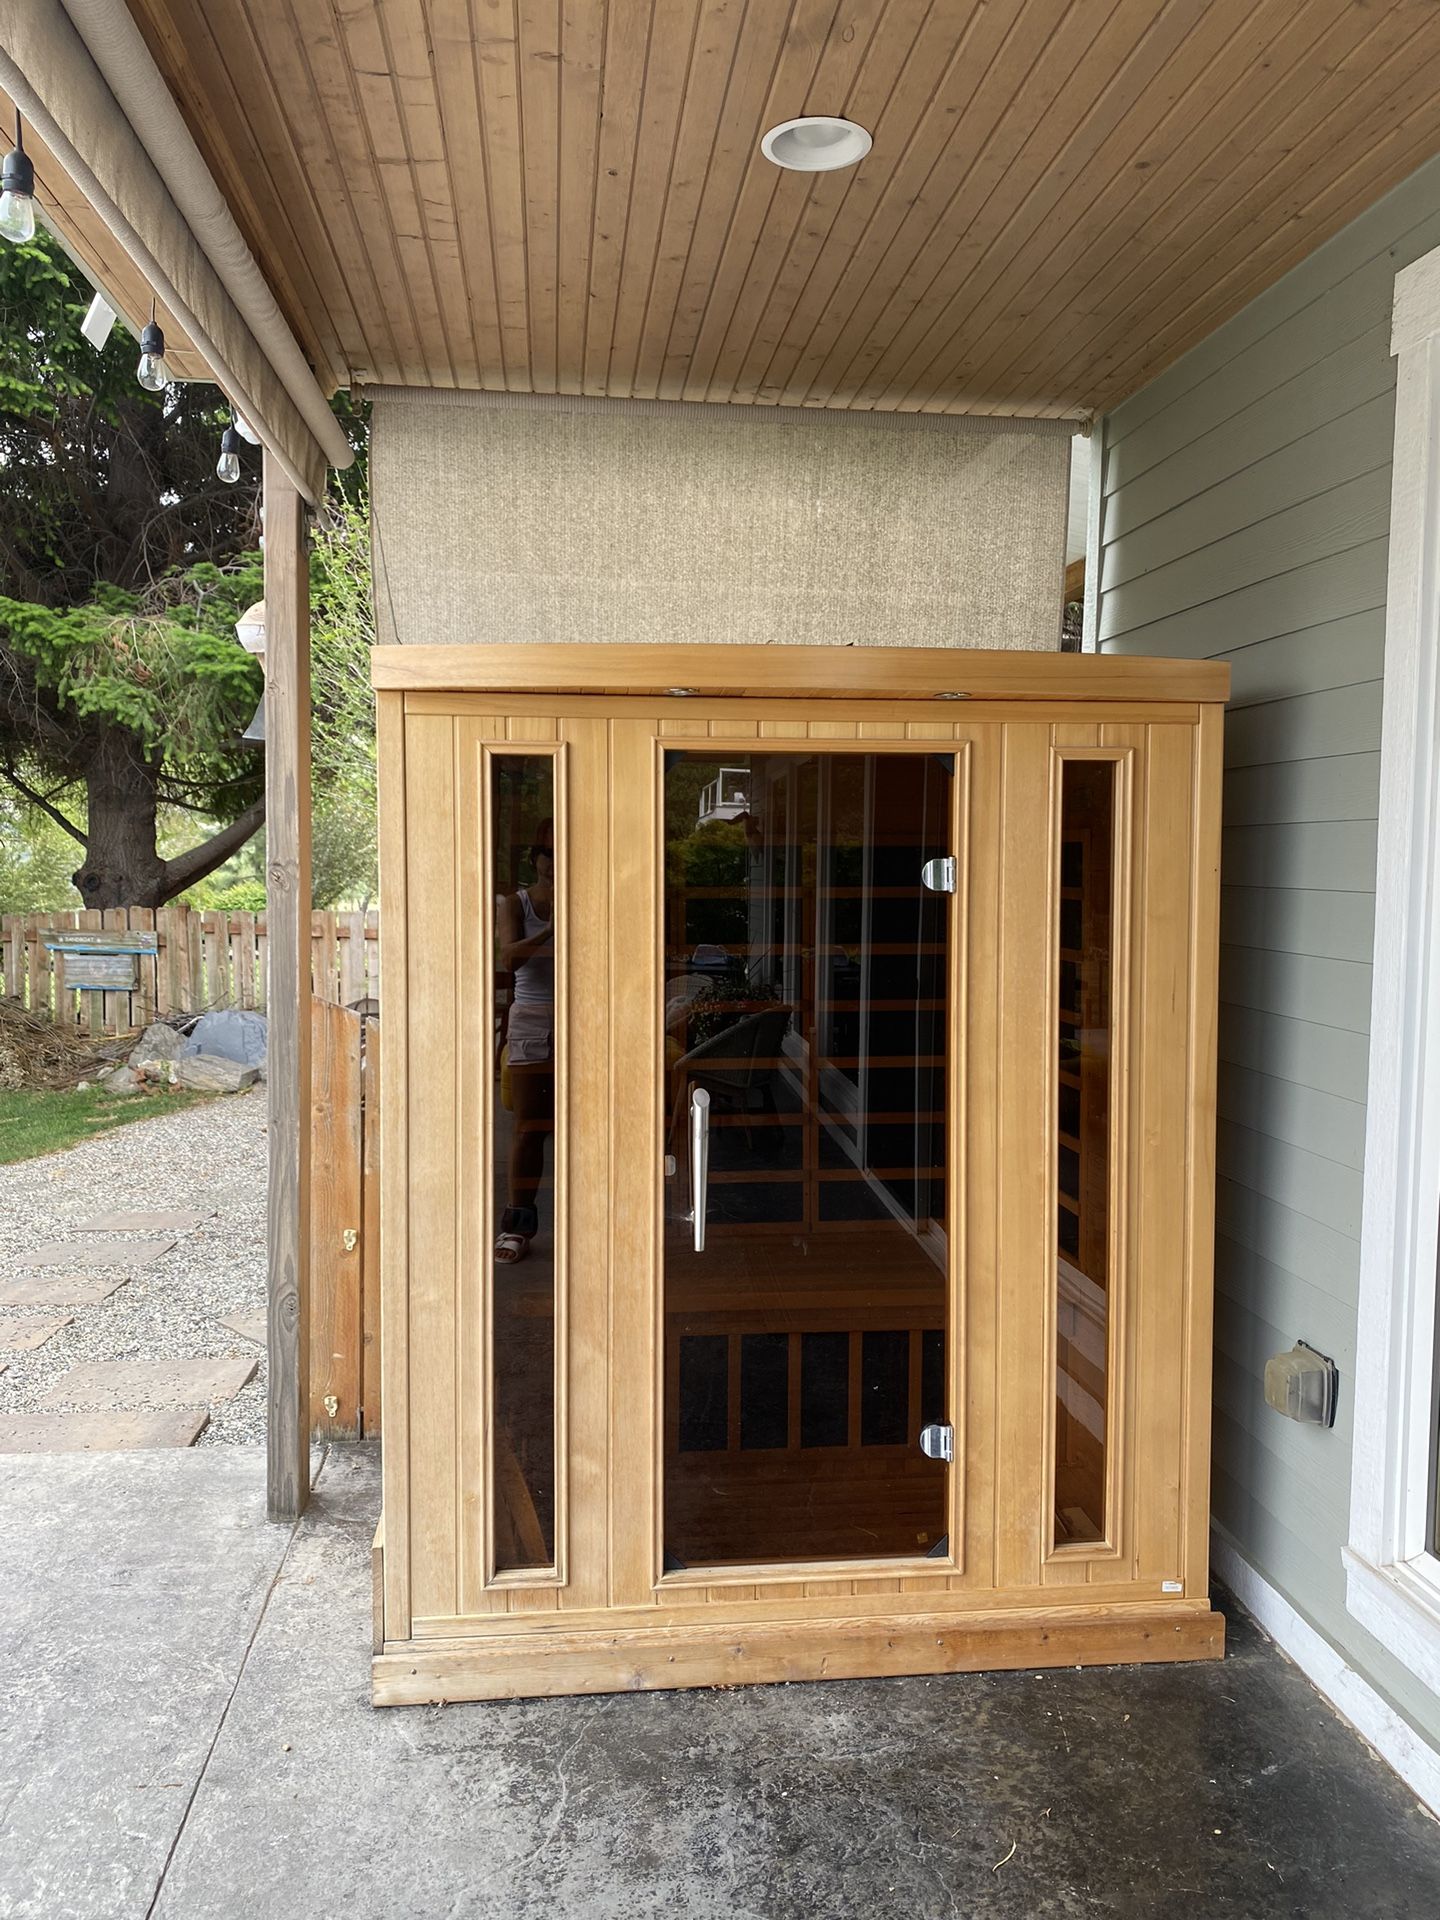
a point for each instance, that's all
(344, 1224)
(203, 960)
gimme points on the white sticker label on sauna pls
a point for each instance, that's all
(1172, 1586)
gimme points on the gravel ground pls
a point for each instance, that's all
(209, 1158)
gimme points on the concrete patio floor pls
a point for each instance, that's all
(185, 1732)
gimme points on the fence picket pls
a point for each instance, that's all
(242, 947)
(142, 1001)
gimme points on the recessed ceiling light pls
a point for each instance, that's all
(815, 144)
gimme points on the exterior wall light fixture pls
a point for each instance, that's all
(817, 143)
(17, 192)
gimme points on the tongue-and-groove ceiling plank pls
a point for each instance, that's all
(567, 195)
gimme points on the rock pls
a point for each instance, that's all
(230, 1036)
(211, 1073)
(121, 1079)
(158, 1042)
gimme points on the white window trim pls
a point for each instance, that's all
(1392, 1579)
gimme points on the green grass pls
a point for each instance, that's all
(32, 1123)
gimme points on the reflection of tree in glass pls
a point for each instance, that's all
(713, 856)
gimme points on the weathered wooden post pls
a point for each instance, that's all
(287, 875)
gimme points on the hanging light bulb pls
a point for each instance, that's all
(227, 467)
(245, 430)
(152, 372)
(17, 193)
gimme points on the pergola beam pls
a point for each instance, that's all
(287, 996)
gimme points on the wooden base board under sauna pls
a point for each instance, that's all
(517, 1666)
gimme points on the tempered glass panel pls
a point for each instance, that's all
(806, 976)
(1083, 1030)
(523, 855)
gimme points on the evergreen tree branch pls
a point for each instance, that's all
(35, 799)
(186, 868)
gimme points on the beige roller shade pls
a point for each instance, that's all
(520, 519)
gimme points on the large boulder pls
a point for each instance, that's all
(158, 1044)
(212, 1073)
(228, 1035)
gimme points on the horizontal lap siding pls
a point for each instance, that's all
(1244, 517)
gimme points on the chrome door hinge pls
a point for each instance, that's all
(940, 876)
(938, 1442)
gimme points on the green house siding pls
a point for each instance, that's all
(1244, 517)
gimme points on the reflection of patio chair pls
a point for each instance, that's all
(733, 1065)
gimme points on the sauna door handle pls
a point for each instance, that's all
(699, 1162)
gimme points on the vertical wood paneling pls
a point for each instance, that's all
(335, 1222)
(1161, 1240)
(590, 901)
(636, 1382)
(609, 1335)
(1207, 777)
(394, 802)
(434, 1175)
(1026, 1158)
(370, 1162)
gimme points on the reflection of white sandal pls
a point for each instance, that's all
(510, 1247)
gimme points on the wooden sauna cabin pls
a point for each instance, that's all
(798, 1157)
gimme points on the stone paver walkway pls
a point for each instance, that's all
(23, 1336)
(139, 1222)
(150, 1383)
(59, 1290)
(111, 1431)
(143, 1258)
(97, 1253)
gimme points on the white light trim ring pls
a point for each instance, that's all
(816, 143)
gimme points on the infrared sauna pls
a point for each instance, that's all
(798, 1157)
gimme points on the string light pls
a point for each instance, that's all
(17, 192)
(227, 467)
(152, 372)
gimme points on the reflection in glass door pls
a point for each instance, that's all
(806, 1253)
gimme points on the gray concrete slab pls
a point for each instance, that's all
(1218, 1792)
(132, 1584)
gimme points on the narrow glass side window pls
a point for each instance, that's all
(523, 857)
(1082, 1387)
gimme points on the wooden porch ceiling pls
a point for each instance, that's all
(567, 195)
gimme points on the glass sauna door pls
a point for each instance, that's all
(806, 1253)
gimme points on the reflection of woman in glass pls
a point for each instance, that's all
(526, 939)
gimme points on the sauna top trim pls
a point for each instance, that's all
(780, 672)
